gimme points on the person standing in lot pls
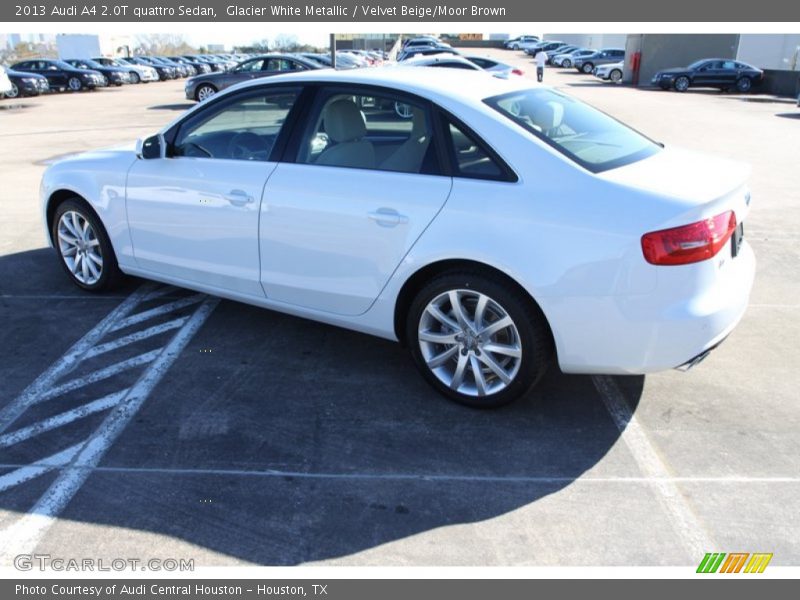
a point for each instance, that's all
(541, 61)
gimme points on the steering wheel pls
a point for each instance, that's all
(245, 145)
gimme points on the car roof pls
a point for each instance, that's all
(470, 85)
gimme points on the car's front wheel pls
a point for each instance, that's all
(615, 75)
(83, 246)
(204, 92)
(477, 340)
(681, 84)
(13, 92)
(566, 63)
(74, 84)
(135, 77)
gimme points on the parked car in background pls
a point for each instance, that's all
(586, 64)
(5, 83)
(26, 84)
(610, 72)
(198, 66)
(495, 67)
(112, 75)
(165, 73)
(566, 59)
(424, 51)
(184, 69)
(60, 75)
(561, 50)
(451, 61)
(724, 74)
(174, 70)
(547, 47)
(139, 73)
(202, 87)
(424, 40)
(516, 42)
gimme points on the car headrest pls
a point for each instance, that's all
(547, 115)
(344, 122)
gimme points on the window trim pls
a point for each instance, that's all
(219, 103)
(319, 93)
(508, 175)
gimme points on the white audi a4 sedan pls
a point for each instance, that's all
(490, 225)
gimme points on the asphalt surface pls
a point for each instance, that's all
(246, 436)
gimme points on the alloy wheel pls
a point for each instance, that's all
(13, 92)
(469, 342)
(80, 248)
(682, 84)
(615, 76)
(205, 92)
(74, 84)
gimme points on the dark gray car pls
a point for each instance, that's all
(201, 87)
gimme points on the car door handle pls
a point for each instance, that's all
(388, 217)
(238, 197)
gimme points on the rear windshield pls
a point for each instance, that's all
(589, 137)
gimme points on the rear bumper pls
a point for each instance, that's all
(692, 309)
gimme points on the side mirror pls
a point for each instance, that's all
(153, 147)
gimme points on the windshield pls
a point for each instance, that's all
(584, 134)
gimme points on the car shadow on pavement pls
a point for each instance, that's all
(181, 106)
(277, 440)
(792, 115)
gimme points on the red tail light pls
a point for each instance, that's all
(689, 243)
(518, 72)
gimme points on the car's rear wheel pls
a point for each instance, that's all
(83, 246)
(615, 76)
(74, 84)
(204, 92)
(681, 84)
(744, 84)
(587, 68)
(477, 340)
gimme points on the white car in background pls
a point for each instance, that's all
(504, 223)
(138, 73)
(5, 83)
(610, 72)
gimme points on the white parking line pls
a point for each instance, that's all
(693, 534)
(41, 467)
(68, 361)
(76, 462)
(61, 419)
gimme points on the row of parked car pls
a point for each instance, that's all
(416, 52)
(40, 75)
(608, 64)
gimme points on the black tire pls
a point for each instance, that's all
(587, 68)
(744, 84)
(535, 339)
(135, 77)
(110, 273)
(681, 83)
